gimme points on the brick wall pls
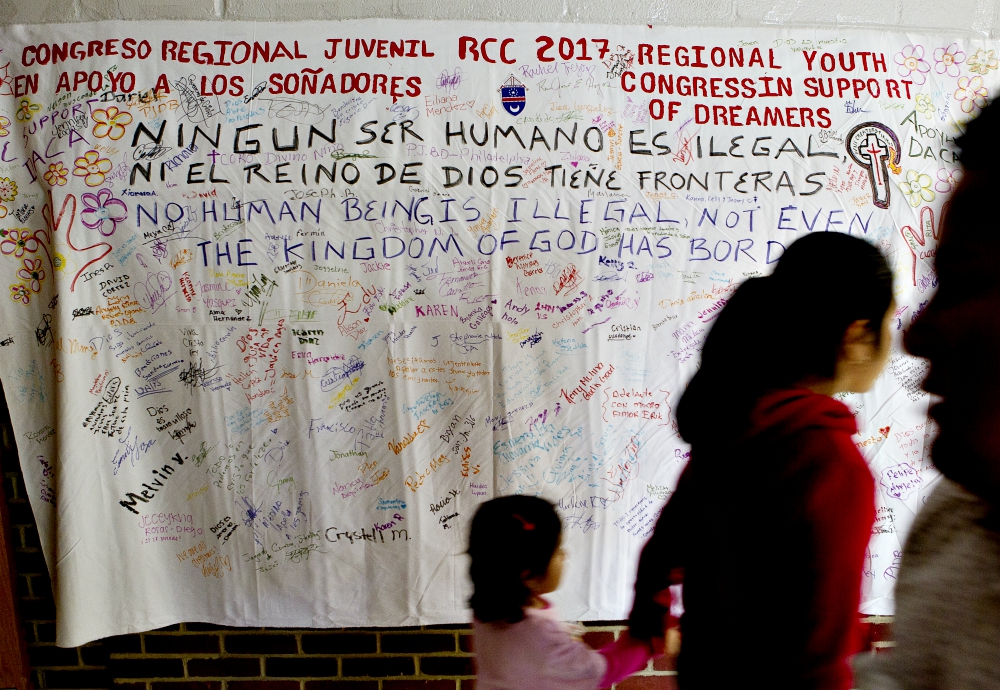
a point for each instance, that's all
(197, 656)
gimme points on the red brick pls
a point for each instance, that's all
(30, 533)
(78, 680)
(29, 562)
(298, 667)
(182, 644)
(665, 663)
(263, 685)
(420, 643)
(224, 668)
(469, 684)
(23, 589)
(210, 627)
(95, 655)
(465, 643)
(122, 644)
(46, 631)
(881, 632)
(418, 685)
(261, 644)
(339, 643)
(341, 685)
(10, 488)
(129, 686)
(20, 490)
(648, 683)
(598, 639)
(20, 513)
(30, 633)
(190, 685)
(41, 585)
(52, 656)
(38, 610)
(378, 667)
(146, 668)
(446, 666)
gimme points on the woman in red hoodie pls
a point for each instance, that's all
(770, 520)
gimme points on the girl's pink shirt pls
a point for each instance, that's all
(541, 653)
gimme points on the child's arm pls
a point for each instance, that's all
(625, 656)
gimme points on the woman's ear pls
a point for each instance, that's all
(859, 344)
(532, 583)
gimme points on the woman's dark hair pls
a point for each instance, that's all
(510, 536)
(778, 330)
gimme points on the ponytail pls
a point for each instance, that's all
(779, 330)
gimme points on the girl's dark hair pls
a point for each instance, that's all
(779, 330)
(510, 535)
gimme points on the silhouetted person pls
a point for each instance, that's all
(769, 523)
(947, 624)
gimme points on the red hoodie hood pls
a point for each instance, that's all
(785, 412)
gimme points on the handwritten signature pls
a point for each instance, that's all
(341, 155)
(152, 294)
(132, 448)
(586, 524)
(451, 81)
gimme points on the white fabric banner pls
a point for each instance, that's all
(286, 302)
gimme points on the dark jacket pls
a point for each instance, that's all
(947, 624)
(770, 533)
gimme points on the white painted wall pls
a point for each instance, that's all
(974, 18)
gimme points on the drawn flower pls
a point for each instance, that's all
(102, 211)
(17, 241)
(4, 124)
(971, 94)
(26, 110)
(111, 123)
(912, 64)
(32, 273)
(92, 168)
(56, 176)
(8, 189)
(6, 81)
(947, 60)
(947, 180)
(19, 293)
(982, 61)
(925, 105)
(62, 264)
(917, 187)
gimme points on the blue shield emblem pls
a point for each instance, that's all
(512, 95)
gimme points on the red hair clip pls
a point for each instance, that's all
(528, 526)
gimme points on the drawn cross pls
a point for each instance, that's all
(877, 152)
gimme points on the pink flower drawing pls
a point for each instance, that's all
(19, 293)
(17, 241)
(102, 212)
(912, 64)
(947, 60)
(32, 274)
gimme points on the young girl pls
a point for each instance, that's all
(772, 515)
(519, 640)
